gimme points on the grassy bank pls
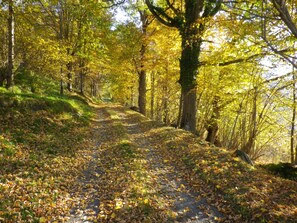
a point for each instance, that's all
(42, 148)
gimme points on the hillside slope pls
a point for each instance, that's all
(44, 144)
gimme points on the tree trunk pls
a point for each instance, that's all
(3, 72)
(69, 76)
(188, 118)
(295, 155)
(81, 75)
(9, 75)
(94, 88)
(61, 27)
(191, 43)
(230, 143)
(142, 92)
(247, 148)
(142, 72)
(189, 20)
(159, 108)
(132, 95)
(61, 87)
(152, 94)
(293, 119)
(165, 105)
(180, 111)
(213, 125)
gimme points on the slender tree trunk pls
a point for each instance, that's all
(82, 79)
(180, 110)
(159, 108)
(67, 38)
(213, 125)
(9, 75)
(82, 70)
(253, 126)
(69, 76)
(230, 143)
(165, 105)
(94, 88)
(61, 86)
(295, 155)
(132, 96)
(61, 20)
(293, 119)
(152, 94)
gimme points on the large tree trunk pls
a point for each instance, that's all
(191, 44)
(9, 75)
(189, 20)
(142, 72)
(188, 118)
(142, 92)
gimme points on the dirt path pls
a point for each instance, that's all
(128, 180)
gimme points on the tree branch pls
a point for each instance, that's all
(175, 10)
(281, 7)
(160, 14)
(239, 60)
(209, 10)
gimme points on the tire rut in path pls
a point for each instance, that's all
(186, 204)
(87, 207)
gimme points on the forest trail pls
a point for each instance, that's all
(129, 180)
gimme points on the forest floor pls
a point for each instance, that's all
(112, 164)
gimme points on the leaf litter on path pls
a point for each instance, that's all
(128, 180)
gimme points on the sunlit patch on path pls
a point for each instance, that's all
(128, 180)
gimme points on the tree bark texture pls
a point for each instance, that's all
(61, 87)
(189, 65)
(188, 119)
(152, 94)
(69, 76)
(9, 75)
(247, 148)
(142, 92)
(280, 6)
(293, 119)
(142, 72)
(213, 125)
